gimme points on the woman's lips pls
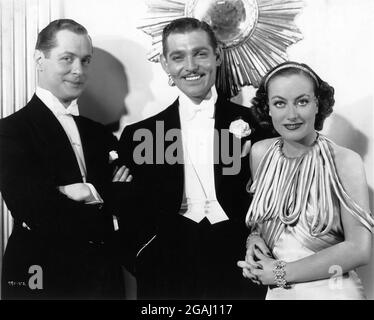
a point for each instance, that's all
(293, 126)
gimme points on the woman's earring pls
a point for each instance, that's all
(171, 81)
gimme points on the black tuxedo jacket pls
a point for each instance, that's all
(66, 238)
(161, 185)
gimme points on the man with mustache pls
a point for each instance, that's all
(190, 226)
(56, 180)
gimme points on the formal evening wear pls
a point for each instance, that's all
(69, 240)
(296, 208)
(187, 230)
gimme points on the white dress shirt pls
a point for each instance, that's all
(197, 124)
(65, 117)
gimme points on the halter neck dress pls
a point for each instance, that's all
(296, 207)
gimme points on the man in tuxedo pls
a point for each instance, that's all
(56, 180)
(189, 230)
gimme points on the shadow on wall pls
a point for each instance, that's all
(104, 98)
(342, 132)
(141, 99)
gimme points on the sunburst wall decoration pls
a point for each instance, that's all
(254, 34)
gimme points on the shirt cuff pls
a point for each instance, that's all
(96, 197)
(115, 223)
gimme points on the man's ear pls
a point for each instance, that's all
(164, 63)
(219, 55)
(39, 59)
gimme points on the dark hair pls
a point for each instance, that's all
(322, 90)
(184, 25)
(47, 37)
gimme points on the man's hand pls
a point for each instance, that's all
(77, 192)
(122, 174)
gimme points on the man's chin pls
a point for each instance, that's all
(195, 94)
(68, 98)
(73, 93)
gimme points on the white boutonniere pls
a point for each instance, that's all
(240, 129)
(113, 155)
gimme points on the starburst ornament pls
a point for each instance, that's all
(254, 34)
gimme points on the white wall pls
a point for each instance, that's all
(338, 44)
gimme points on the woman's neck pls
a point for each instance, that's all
(294, 149)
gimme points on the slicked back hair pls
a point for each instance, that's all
(47, 37)
(184, 25)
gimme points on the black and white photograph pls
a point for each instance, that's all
(186, 155)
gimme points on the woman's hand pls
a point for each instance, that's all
(260, 272)
(264, 273)
(255, 245)
(247, 270)
(255, 242)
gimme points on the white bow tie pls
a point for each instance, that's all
(71, 110)
(205, 112)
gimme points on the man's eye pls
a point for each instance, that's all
(86, 61)
(176, 58)
(67, 59)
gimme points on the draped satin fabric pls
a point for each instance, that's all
(304, 193)
(296, 208)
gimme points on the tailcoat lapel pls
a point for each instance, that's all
(53, 143)
(176, 171)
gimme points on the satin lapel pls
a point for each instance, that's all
(224, 115)
(87, 143)
(172, 121)
(171, 116)
(89, 146)
(57, 144)
(219, 124)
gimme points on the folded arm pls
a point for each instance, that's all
(28, 187)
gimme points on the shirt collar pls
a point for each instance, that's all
(55, 105)
(188, 110)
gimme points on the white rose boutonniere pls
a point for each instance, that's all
(240, 129)
(113, 155)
